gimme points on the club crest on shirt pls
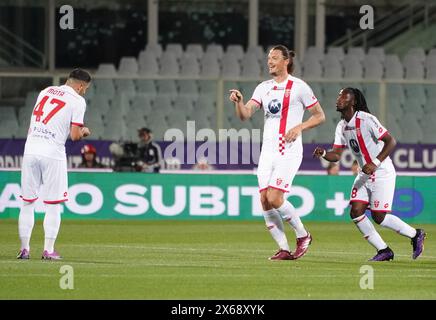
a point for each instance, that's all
(279, 181)
(354, 145)
(386, 205)
(274, 106)
(376, 203)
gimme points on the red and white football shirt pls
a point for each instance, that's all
(284, 105)
(362, 134)
(55, 110)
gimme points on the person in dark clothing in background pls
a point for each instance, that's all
(149, 153)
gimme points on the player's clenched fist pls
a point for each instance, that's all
(318, 152)
(85, 131)
(235, 95)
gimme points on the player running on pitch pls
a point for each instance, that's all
(284, 100)
(59, 111)
(374, 186)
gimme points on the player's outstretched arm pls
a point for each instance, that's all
(333, 155)
(389, 146)
(243, 111)
(317, 117)
(78, 133)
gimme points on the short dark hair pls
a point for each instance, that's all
(287, 54)
(144, 130)
(80, 74)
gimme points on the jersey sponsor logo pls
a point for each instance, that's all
(279, 181)
(286, 185)
(274, 106)
(349, 128)
(354, 145)
(287, 92)
(65, 194)
(386, 205)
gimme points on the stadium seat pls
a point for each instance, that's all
(216, 49)
(157, 122)
(250, 66)
(414, 68)
(414, 131)
(313, 53)
(196, 49)
(185, 104)
(373, 68)
(148, 64)
(141, 105)
(394, 128)
(352, 67)
(96, 125)
(377, 52)
(188, 88)
(416, 92)
(206, 105)
(208, 87)
(128, 66)
(189, 65)
(177, 120)
(332, 67)
(8, 128)
(125, 86)
(236, 50)
(395, 91)
(169, 65)
(104, 87)
(258, 52)
(357, 52)
(163, 103)
(337, 52)
(393, 67)
(106, 69)
(312, 68)
(167, 88)
(175, 48)
(210, 65)
(154, 48)
(8, 113)
(147, 87)
(230, 66)
(418, 53)
(431, 72)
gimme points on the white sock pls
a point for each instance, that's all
(289, 214)
(26, 221)
(275, 226)
(367, 229)
(393, 222)
(52, 223)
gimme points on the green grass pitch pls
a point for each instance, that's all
(210, 260)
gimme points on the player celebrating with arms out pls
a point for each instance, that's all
(374, 186)
(284, 100)
(58, 112)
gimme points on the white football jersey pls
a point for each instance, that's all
(362, 134)
(56, 109)
(284, 105)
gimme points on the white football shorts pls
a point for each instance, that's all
(277, 171)
(377, 190)
(45, 177)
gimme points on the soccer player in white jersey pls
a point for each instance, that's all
(58, 112)
(284, 100)
(374, 186)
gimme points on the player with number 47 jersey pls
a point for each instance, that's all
(58, 112)
(374, 186)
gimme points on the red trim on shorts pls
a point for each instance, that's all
(339, 146)
(383, 211)
(308, 107)
(362, 201)
(362, 142)
(260, 104)
(383, 135)
(263, 189)
(55, 202)
(278, 189)
(28, 200)
(77, 124)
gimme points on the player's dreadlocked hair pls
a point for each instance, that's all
(359, 98)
